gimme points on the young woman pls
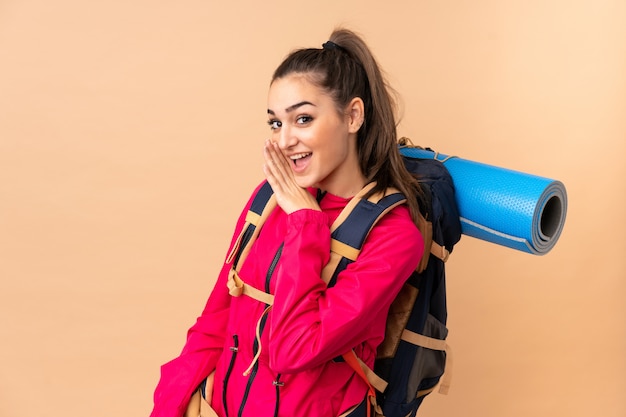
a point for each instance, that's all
(333, 131)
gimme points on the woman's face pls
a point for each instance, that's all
(318, 140)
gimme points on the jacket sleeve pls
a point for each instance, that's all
(311, 324)
(205, 339)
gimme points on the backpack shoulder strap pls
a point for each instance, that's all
(350, 230)
(262, 205)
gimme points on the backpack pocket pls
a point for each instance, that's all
(430, 358)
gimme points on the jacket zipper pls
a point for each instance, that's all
(272, 267)
(255, 346)
(234, 349)
(277, 383)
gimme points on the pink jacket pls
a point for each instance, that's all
(308, 326)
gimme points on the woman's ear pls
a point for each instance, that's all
(356, 114)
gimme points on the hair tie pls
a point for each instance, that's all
(331, 45)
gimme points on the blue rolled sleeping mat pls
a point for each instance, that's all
(502, 206)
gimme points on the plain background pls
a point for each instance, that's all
(130, 138)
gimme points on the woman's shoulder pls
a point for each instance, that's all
(399, 216)
(395, 238)
(398, 225)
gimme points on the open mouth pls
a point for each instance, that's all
(300, 159)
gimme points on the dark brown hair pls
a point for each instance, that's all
(346, 68)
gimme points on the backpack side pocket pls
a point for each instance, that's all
(430, 358)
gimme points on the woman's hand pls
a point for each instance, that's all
(289, 195)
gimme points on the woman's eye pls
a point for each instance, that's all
(274, 124)
(304, 120)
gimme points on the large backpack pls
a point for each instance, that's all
(411, 360)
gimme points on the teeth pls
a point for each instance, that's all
(300, 156)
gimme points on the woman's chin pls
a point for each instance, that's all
(305, 182)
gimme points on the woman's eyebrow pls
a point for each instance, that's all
(292, 107)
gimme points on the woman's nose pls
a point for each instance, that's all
(287, 138)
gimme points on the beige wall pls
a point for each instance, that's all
(130, 137)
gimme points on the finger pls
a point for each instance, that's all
(283, 168)
(271, 163)
(268, 170)
(276, 176)
(275, 155)
(270, 177)
(279, 165)
(280, 157)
